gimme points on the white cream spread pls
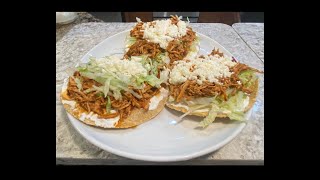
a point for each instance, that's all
(202, 110)
(154, 101)
(180, 105)
(70, 103)
(65, 85)
(106, 123)
(245, 104)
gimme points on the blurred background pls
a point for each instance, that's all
(195, 17)
(67, 20)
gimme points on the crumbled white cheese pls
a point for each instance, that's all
(122, 68)
(138, 19)
(163, 31)
(211, 68)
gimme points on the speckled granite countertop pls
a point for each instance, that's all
(72, 148)
(253, 35)
(83, 17)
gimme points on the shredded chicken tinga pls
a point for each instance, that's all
(94, 101)
(143, 47)
(177, 49)
(157, 57)
(190, 89)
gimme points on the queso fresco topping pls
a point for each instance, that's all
(210, 68)
(163, 31)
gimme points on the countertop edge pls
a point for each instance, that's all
(73, 161)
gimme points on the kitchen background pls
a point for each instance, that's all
(80, 31)
(194, 17)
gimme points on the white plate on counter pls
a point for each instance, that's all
(159, 139)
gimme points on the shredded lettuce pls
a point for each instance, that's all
(153, 80)
(131, 40)
(113, 83)
(200, 101)
(78, 82)
(192, 109)
(89, 90)
(94, 88)
(131, 91)
(139, 81)
(229, 91)
(141, 58)
(154, 68)
(100, 89)
(106, 87)
(108, 105)
(236, 116)
(163, 58)
(235, 105)
(100, 94)
(233, 108)
(197, 40)
(193, 47)
(151, 65)
(248, 77)
(150, 79)
(146, 62)
(82, 68)
(116, 92)
(209, 119)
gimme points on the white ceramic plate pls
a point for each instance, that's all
(159, 139)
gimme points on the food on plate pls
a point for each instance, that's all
(164, 41)
(161, 55)
(112, 93)
(212, 86)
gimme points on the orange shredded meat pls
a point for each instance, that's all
(191, 89)
(177, 49)
(94, 101)
(137, 31)
(174, 19)
(214, 52)
(143, 47)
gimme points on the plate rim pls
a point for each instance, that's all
(88, 53)
(152, 158)
(156, 158)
